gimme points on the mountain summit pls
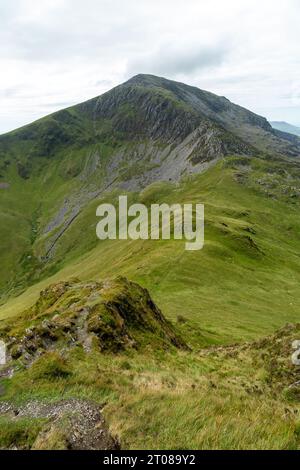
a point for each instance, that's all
(144, 131)
(150, 107)
(152, 128)
(167, 109)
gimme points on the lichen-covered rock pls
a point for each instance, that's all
(109, 316)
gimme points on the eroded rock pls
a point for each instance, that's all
(109, 316)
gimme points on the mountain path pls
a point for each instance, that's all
(80, 421)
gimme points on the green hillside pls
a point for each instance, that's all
(157, 141)
(242, 284)
(144, 131)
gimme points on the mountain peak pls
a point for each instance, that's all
(286, 127)
(144, 78)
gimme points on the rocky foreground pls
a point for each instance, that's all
(109, 316)
(88, 347)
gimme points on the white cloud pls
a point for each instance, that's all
(58, 52)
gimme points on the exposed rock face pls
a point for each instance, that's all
(153, 107)
(109, 316)
(137, 113)
(212, 143)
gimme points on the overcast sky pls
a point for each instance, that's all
(54, 53)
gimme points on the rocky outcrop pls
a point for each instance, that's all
(108, 316)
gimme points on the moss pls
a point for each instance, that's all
(50, 366)
(130, 309)
(109, 328)
(110, 316)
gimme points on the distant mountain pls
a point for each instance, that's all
(285, 127)
(144, 131)
(190, 377)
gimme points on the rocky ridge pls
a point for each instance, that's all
(107, 316)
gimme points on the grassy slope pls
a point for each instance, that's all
(44, 163)
(244, 283)
(158, 399)
(26, 209)
(234, 289)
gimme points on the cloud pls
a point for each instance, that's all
(170, 59)
(59, 52)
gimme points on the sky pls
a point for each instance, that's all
(55, 53)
